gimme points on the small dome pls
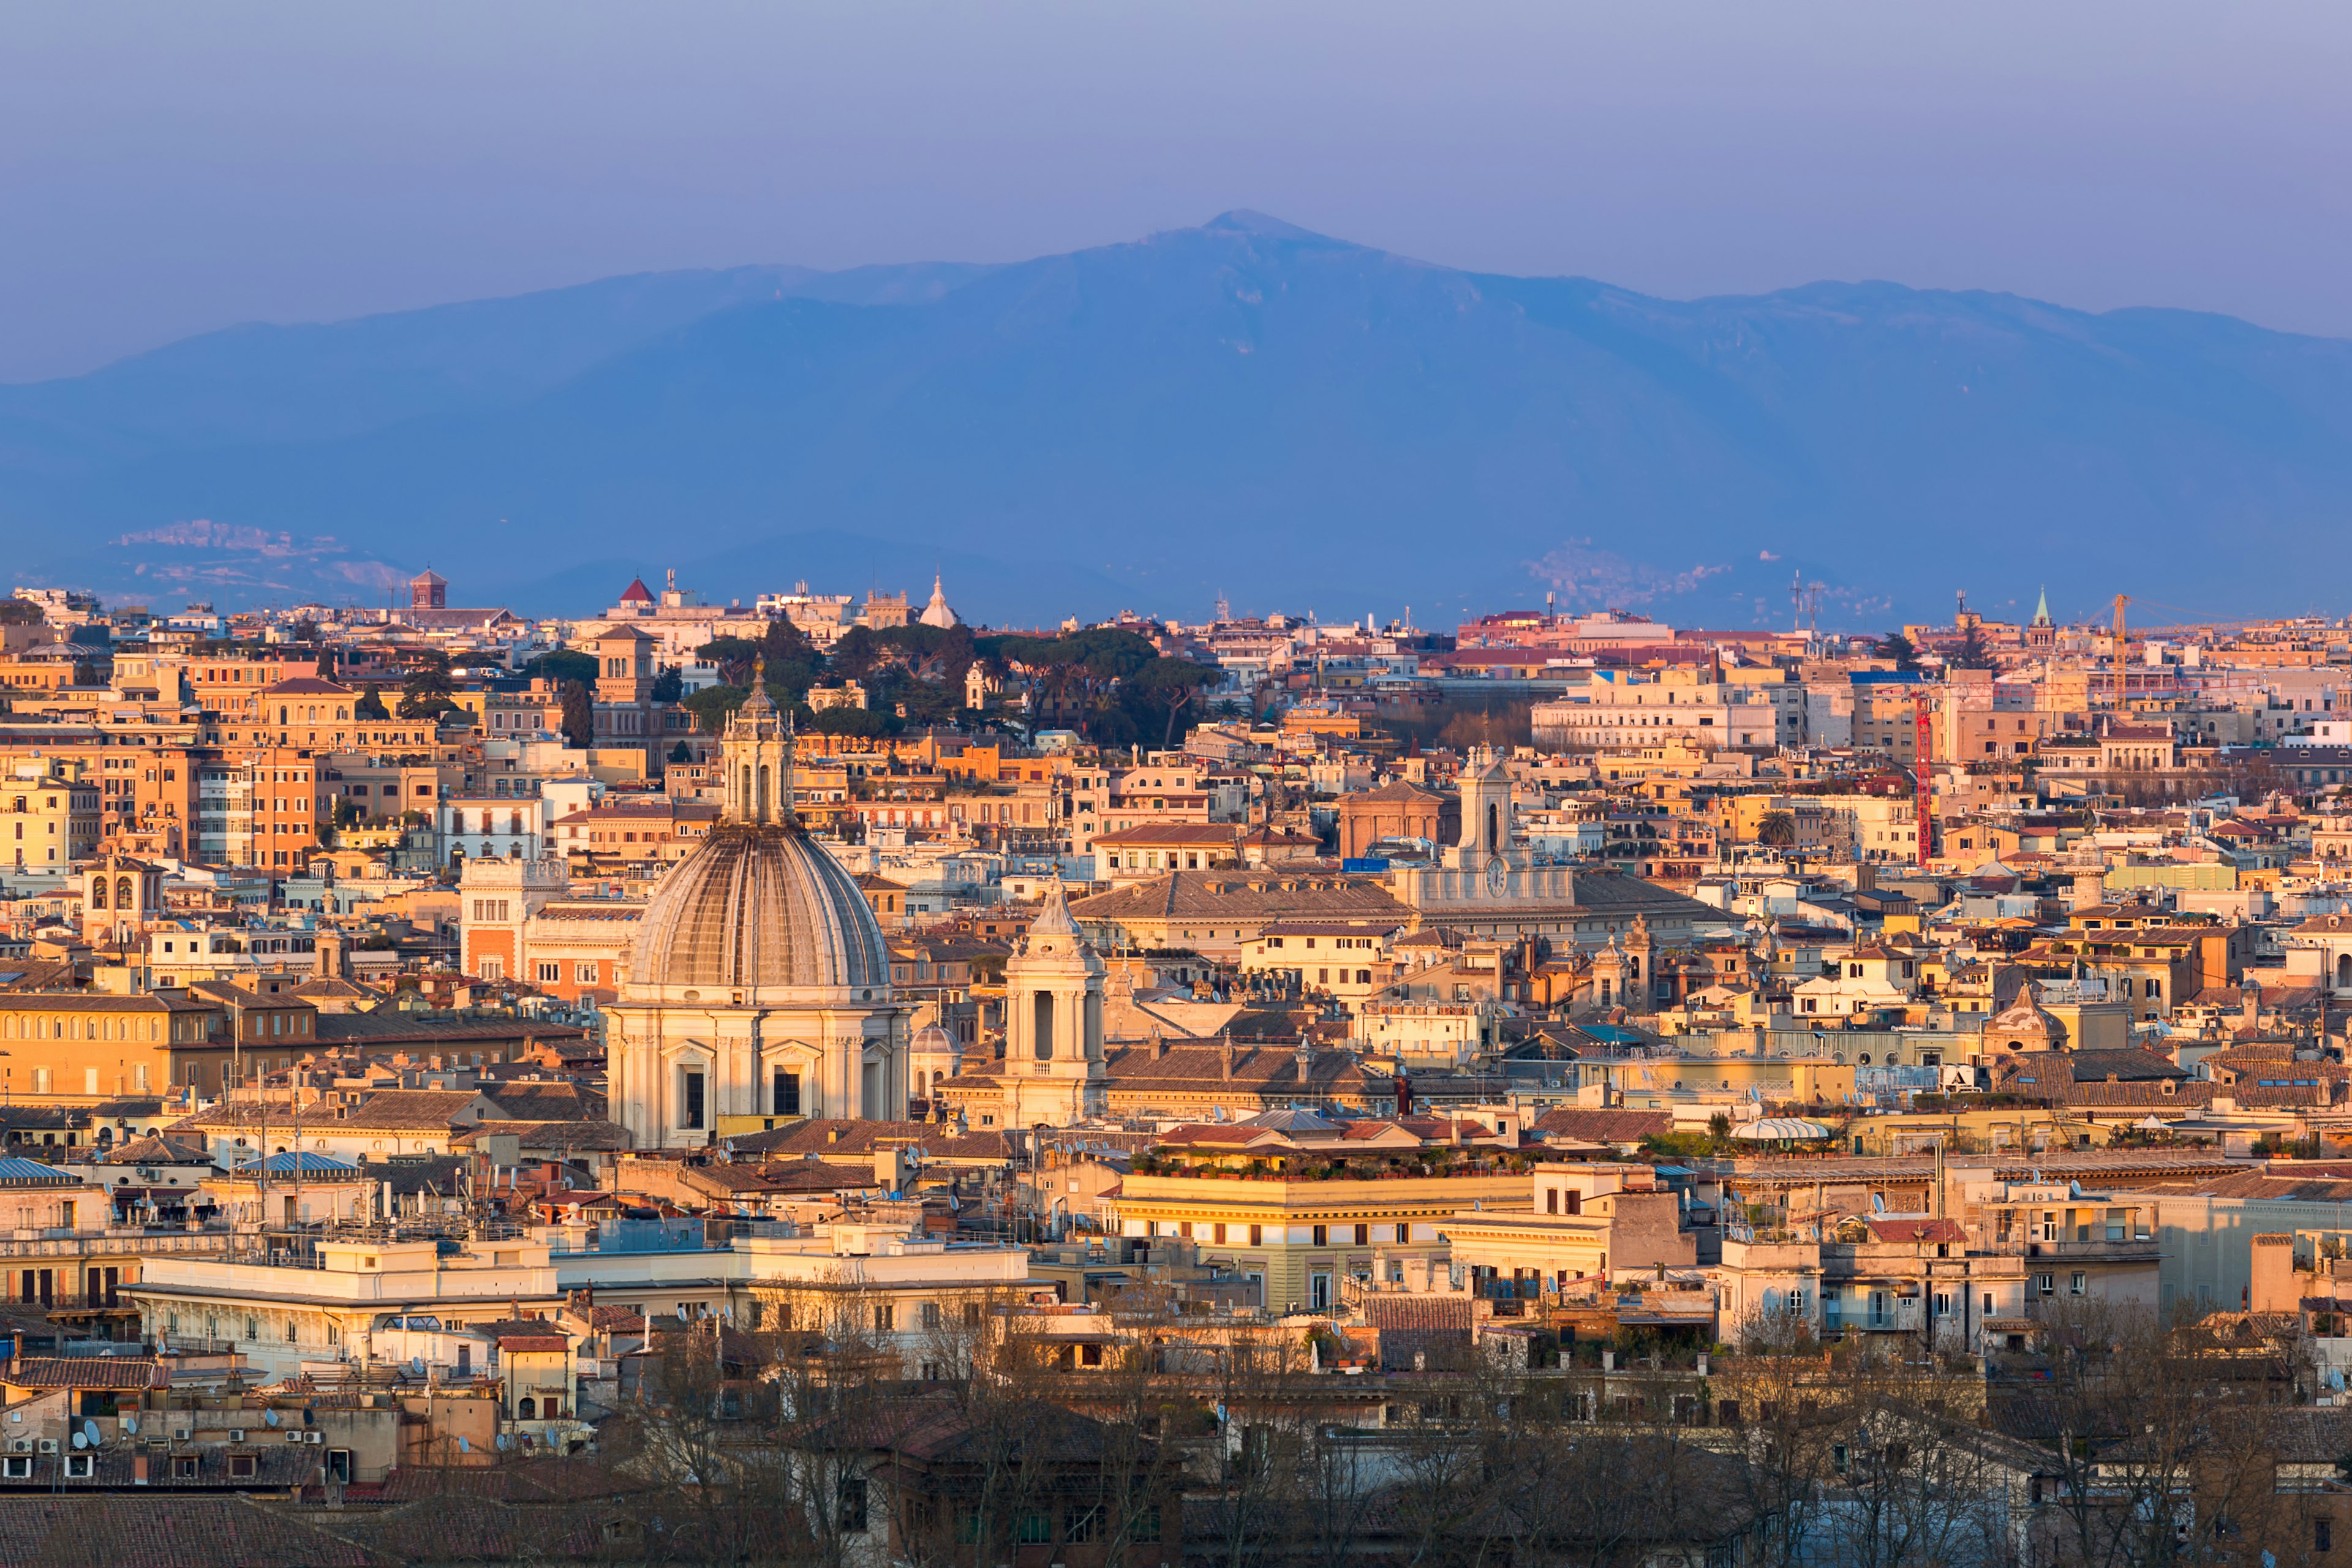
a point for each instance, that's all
(933, 1040)
(1781, 1128)
(937, 613)
(758, 904)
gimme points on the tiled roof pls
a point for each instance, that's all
(409, 1108)
(546, 1101)
(854, 1139)
(592, 1136)
(2130, 1066)
(372, 1031)
(1333, 928)
(1386, 1311)
(81, 1372)
(1404, 791)
(1255, 1067)
(1598, 1126)
(1231, 1134)
(135, 1530)
(1242, 896)
(2319, 1188)
(2156, 1094)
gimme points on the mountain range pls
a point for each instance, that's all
(1243, 407)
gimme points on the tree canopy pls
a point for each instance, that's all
(427, 693)
(1974, 652)
(579, 715)
(561, 664)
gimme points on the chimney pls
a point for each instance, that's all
(1225, 1056)
(1159, 1046)
(1305, 1062)
(2250, 991)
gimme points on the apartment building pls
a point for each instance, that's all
(1297, 1239)
(1758, 708)
(49, 813)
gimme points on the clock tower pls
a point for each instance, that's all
(1485, 815)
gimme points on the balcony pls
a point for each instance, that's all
(2131, 1249)
(1892, 1314)
(114, 1241)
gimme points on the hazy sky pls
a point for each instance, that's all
(166, 168)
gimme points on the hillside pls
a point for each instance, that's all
(1296, 420)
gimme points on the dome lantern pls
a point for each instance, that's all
(756, 758)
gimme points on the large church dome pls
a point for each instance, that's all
(758, 904)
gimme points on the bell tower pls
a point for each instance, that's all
(1486, 811)
(1053, 1030)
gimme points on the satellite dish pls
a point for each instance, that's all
(416, 1366)
(80, 1441)
(506, 1440)
(464, 1446)
(681, 1311)
(270, 1416)
(1878, 1202)
(130, 1425)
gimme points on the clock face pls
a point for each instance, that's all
(1497, 873)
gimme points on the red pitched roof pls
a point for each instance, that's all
(81, 1372)
(637, 593)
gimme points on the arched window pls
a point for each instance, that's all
(1042, 1029)
(97, 893)
(526, 1409)
(123, 898)
(1494, 834)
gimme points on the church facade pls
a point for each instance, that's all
(1487, 887)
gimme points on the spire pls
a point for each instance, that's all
(1054, 919)
(2041, 609)
(759, 703)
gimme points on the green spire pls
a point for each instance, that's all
(2041, 609)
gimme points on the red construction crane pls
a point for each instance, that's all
(1921, 752)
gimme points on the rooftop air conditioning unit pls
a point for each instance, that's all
(183, 1434)
(237, 1434)
(314, 1436)
(293, 1437)
(20, 1444)
(49, 1445)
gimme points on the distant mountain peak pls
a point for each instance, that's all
(1244, 404)
(1244, 220)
